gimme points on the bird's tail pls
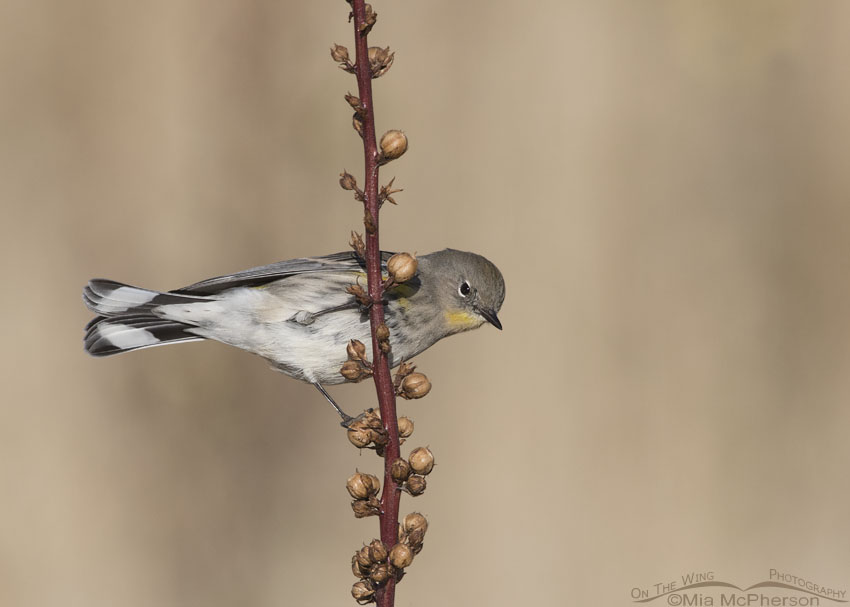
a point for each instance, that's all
(127, 318)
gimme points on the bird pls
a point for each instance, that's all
(298, 314)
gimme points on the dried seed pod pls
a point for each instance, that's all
(360, 486)
(414, 540)
(363, 591)
(356, 350)
(373, 53)
(421, 460)
(369, 223)
(372, 483)
(357, 244)
(414, 525)
(359, 423)
(415, 385)
(380, 60)
(367, 507)
(378, 551)
(404, 369)
(353, 370)
(402, 267)
(372, 420)
(400, 470)
(364, 559)
(393, 145)
(415, 484)
(357, 123)
(405, 427)
(359, 437)
(383, 335)
(380, 438)
(347, 181)
(413, 522)
(357, 569)
(401, 556)
(380, 573)
(371, 18)
(387, 191)
(359, 293)
(353, 101)
(339, 53)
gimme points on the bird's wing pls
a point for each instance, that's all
(338, 262)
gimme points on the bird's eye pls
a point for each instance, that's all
(464, 289)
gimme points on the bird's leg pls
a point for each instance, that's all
(347, 420)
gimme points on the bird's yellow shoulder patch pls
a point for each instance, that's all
(460, 320)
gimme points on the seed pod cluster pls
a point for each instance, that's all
(412, 531)
(371, 564)
(364, 489)
(368, 431)
(411, 534)
(420, 463)
(409, 384)
(357, 367)
(382, 332)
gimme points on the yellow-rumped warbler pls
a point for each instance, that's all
(297, 314)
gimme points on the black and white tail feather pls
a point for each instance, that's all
(126, 320)
(128, 317)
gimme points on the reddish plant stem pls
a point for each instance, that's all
(391, 495)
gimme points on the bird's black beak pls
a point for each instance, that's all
(491, 317)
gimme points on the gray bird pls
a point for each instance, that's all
(297, 314)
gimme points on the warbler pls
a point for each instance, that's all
(297, 314)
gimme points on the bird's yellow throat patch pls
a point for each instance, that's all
(461, 320)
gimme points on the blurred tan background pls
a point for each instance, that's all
(663, 184)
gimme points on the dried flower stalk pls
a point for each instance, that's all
(363, 69)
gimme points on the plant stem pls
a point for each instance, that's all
(391, 495)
